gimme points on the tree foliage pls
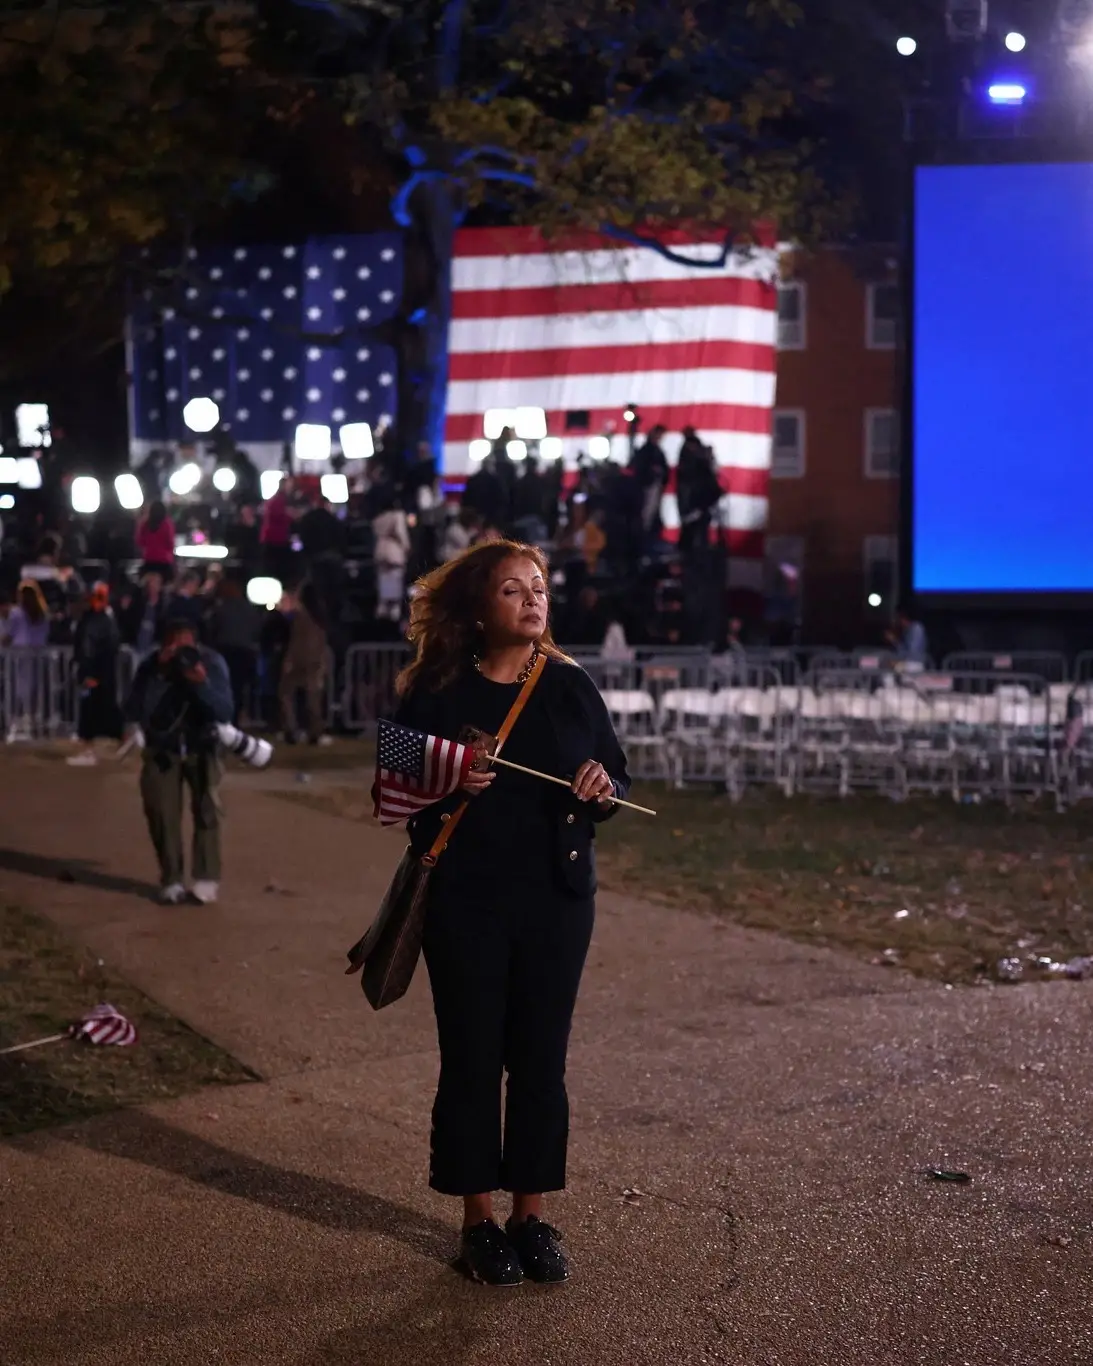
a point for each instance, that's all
(119, 124)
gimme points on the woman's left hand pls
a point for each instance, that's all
(592, 783)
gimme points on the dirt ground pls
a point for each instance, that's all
(752, 1122)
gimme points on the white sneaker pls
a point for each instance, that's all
(206, 892)
(85, 759)
(172, 895)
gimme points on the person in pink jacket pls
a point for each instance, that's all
(155, 538)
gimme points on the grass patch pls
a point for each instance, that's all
(45, 983)
(978, 883)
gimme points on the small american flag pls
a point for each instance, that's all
(414, 770)
(104, 1025)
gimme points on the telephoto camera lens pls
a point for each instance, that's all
(253, 751)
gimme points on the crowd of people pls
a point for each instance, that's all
(97, 584)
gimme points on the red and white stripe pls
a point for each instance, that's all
(590, 324)
(104, 1025)
(446, 767)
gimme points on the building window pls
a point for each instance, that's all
(882, 317)
(881, 571)
(788, 454)
(792, 301)
(881, 443)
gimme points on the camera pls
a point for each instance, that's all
(253, 751)
(185, 658)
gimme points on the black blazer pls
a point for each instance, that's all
(574, 726)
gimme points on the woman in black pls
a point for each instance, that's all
(511, 898)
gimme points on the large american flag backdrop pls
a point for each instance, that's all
(593, 326)
(276, 335)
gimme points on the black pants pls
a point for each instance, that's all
(99, 713)
(504, 969)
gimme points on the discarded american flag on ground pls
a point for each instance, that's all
(103, 1025)
(414, 770)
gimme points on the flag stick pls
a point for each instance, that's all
(34, 1043)
(561, 782)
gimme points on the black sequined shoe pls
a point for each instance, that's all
(488, 1257)
(539, 1249)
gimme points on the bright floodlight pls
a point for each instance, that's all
(550, 448)
(269, 481)
(1015, 42)
(479, 449)
(7, 501)
(224, 479)
(874, 599)
(9, 469)
(312, 441)
(530, 424)
(185, 479)
(201, 415)
(906, 47)
(516, 450)
(203, 550)
(356, 441)
(85, 494)
(334, 488)
(599, 447)
(264, 592)
(129, 492)
(496, 420)
(30, 472)
(1007, 92)
(32, 424)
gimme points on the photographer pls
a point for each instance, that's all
(178, 696)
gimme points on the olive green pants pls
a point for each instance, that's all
(161, 782)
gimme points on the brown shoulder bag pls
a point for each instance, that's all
(389, 950)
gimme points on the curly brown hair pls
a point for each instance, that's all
(445, 606)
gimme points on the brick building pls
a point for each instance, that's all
(835, 485)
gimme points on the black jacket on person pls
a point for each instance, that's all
(95, 647)
(547, 833)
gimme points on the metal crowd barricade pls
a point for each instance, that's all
(38, 694)
(368, 688)
(1048, 666)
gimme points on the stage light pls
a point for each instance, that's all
(7, 502)
(269, 481)
(334, 488)
(906, 47)
(185, 479)
(30, 472)
(9, 469)
(85, 494)
(224, 479)
(496, 420)
(1006, 92)
(264, 592)
(530, 424)
(201, 415)
(312, 441)
(550, 448)
(630, 414)
(1015, 42)
(32, 424)
(874, 599)
(479, 448)
(599, 447)
(129, 492)
(516, 450)
(201, 551)
(356, 441)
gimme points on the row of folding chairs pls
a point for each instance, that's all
(1022, 737)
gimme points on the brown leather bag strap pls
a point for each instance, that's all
(448, 828)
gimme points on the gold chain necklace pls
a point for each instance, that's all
(525, 672)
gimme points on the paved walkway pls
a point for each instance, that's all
(774, 1106)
